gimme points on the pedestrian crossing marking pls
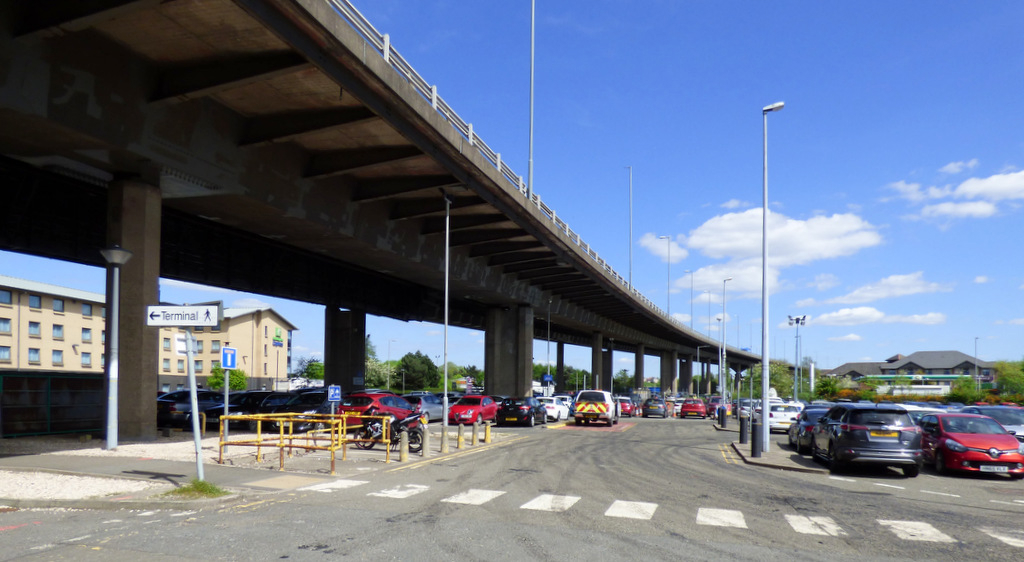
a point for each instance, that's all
(549, 502)
(333, 485)
(815, 525)
(721, 518)
(916, 531)
(631, 510)
(1012, 537)
(401, 492)
(474, 497)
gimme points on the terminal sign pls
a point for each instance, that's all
(200, 315)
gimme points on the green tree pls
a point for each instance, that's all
(964, 390)
(310, 368)
(376, 374)
(216, 379)
(1010, 377)
(622, 382)
(419, 371)
(826, 388)
(901, 383)
(781, 380)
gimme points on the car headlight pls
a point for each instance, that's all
(1020, 448)
(955, 446)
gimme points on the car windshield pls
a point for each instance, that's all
(1006, 416)
(306, 398)
(972, 425)
(781, 408)
(513, 402)
(591, 397)
(880, 417)
(691, 401)
(357, 401)
(814, 415)
(468, 401)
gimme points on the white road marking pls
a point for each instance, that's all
(184, 513)
(120, 521)
(631, 510)
(1014, 502)
(1012, 537)
(332, 485)
(936, 493)
(83, 537)
(548, 502)
(401, 492)
(474, 497)
(885, 485)
(148, 513)
(839, 477)
(916, 531)
(815, 525)
(721, 518)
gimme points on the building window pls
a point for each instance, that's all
(103, 340)
(5, 354)
(57, 358)
(33, 355)
(265, 354)
(199, 347)
(5, 325)
(58, 305)
(167, 365)
(86, 359)
(87, 335)
(34, 329)
(35, 301)
(199, 366)
(103, 314)
(86, 309)
(103, 360)
(5, 296)
(181, 366)
(58, 331)
(214, 364)
(167, 345)
(166, 387)
(215, 346)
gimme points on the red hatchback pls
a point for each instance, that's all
(693, 407)
(970, 442)
(473, 408)
(375, 404)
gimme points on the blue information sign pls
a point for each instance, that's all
(334, 393)
(228, 357)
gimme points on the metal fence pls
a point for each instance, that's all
(43, 403)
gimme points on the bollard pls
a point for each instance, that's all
(444, 440)
(743, 430)
(403, 446)
(460, 442)
(755, 440)
(472, 436)
(723, 419)
(425, 451)
(487, 432)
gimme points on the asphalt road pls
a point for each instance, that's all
(649, 489)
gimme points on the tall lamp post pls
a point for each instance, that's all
(115, 256)
(668, 276)
(765, 372)
(699, 366)
(977, 379)
(797, 321)
(725, 362)
(708, 293)
(388, 368)
(691, 297)
(630, 227)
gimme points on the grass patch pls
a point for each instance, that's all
(196, 489)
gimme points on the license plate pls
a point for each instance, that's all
(884, 433)
(993, 468)
(510, 419)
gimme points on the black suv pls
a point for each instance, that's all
(868, 434)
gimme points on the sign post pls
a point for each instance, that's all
(228, 361)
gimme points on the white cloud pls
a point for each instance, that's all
(869, 315)
(824, 281)
(993, 188)
(971, 209)
(734, 204)
(914, 193)
(660, 247)
(249, 302)
(892, 286)
(981, 279)
(957, 167)
(1015, 321)
(847, 337)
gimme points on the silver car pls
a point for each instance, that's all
(1010, 418)
(428, 404)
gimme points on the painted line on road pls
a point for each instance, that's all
(728, 455)
(474, 497)
(549, 502)
(1015, 503)
(721, 518)
(632, 510)
(333, 485)
(890, 486)
(916, 531)
(840, 478)
(1012, 537)
(815, 525)
(457, 454)
(939, 493)
(401, 492)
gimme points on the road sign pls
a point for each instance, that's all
(334, 393)
(228, 357)
(197, 315)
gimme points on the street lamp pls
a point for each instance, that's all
(691, 297)
(668, 277)
(725, 362)
(447, 257)
(708, 293)
(797, 321)
(630, 168)
(765, 372)
(699, 366)
(115, 256)
(977, 379)
(388, 368)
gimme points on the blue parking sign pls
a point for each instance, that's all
(334, 393)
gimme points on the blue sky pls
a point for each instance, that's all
(896, 169)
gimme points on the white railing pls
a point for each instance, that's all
(382, 43)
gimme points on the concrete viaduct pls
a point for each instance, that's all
(282, 147)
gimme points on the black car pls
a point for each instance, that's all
(175, 408)
(800, 431)
(655, 407)
(525, 410)
(857, 433)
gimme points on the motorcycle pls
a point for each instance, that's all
(373, 431)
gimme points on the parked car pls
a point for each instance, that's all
(427, 404)
(917, 412)
(1009, 417)
(714, 402)
(596, 405)
(525, 410)
(175, 408)
(257, 402)
(473, 408)
(626, 406)
(857, 433)
(375, 404)
(655, 407)
(556, 409)
(800, 431)
(971, 443)
(780, 416)
(302, 402)
(693, 407)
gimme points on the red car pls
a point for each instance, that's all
(473, 408)
(693, 407)
(970, 442)
(375, 404)
(626, 407)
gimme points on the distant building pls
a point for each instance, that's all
(928, 372)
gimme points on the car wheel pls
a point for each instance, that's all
(911, 470)
(835, 466)
(531, 420)
(792, 441)
(480, 418)
(579, 422)
(940, 463)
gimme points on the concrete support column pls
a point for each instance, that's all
(607, 368)
(638, 366)
(560, 383)
(133, 222)
(665, 379)
(596, 360)
(705, 377)
(345, 348)
(508, 351)
(686, 373)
